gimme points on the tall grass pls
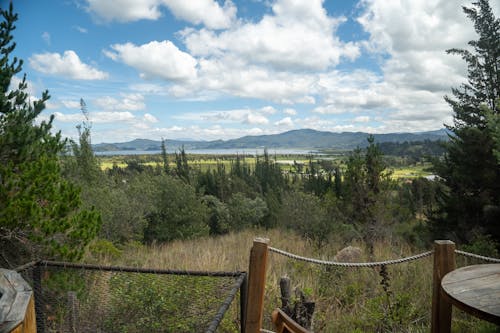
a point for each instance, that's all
(347, 299)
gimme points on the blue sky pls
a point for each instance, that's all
(207, 69)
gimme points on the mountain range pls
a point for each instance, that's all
(302, 138)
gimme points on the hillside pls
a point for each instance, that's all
(303, 138)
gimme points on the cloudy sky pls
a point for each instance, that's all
(207, 69)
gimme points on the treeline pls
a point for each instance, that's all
(173, 200)
(416, 150)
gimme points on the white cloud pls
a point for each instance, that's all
(156, 60)
(268, 110)
(128, 102)
(95, 117)
(255, 119)
(290, 111)
(125, 10)
(68, 65)
(81, 29)
(207, 12)
(361, 119)
(242, 116)
(46, 37)
(297, 36)
(285, 122)
(150, 118)
(71, 104)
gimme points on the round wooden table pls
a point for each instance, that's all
(476, 290)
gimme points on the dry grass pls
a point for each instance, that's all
(347, 299)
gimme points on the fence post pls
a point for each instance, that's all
(37, 291)
(243, 303)
(256, 285)
(444, 262)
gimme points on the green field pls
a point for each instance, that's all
(286, 162)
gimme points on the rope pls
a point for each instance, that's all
(477, 256)
(353, 264)
(263, 330)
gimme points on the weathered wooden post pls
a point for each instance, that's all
(17, 306)
(256, 285)
(444, 262)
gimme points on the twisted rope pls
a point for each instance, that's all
(263, 330)
(353, 264)
(477, 256)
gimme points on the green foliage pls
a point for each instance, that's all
(220, 217)
(482, 245)
(367, 190)
(178, 213)
(39, 209)
(305, 214)
(470, 169)
(494, 128)
(246, 212)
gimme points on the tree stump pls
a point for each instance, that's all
(302, 309)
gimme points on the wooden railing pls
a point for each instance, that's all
(17, 304)
(444, 262)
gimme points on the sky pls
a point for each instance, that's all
(208, 69)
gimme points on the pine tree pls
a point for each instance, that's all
(469, 170)
(39, 213)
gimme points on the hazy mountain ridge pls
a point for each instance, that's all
(303, 138)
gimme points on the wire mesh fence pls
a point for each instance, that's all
(88, 298)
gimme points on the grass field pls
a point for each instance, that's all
(347, 299)
(286, 162)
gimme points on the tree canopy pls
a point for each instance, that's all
(39, 209)
(471, 205)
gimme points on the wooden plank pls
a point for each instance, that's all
(256, 285)
(284, 324)
(444, 262)
(29, 323)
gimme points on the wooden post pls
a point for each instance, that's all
(444, 262)
(256, 285)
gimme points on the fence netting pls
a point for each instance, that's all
(86, 298)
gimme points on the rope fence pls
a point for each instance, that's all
(477, 256)
(353, 264)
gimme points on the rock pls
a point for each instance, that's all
(348, 254)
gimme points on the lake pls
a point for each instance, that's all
(226, 151)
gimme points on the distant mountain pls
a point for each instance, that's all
(303, 138)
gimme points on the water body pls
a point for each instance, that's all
(226, 151)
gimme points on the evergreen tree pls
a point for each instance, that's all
(367, 189)
(164, 157)
(469, 170)
(39, 214)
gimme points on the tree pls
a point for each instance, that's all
(471, 205)
(83, 166)
(39, 209)
(178, 214)
(367, 189)
(164, 157)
